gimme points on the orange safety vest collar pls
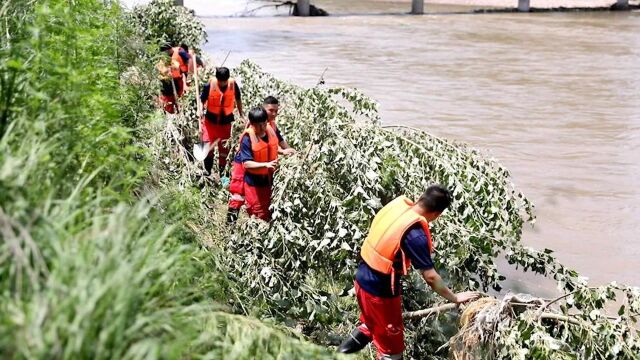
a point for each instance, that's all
(262, 151)
(273, 125)
(385, 235)
(219, 102)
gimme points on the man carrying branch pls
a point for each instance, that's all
(399, 237)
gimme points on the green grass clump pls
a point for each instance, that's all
(89, 269)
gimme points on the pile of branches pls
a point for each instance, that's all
(349, 165)
(492, 328)
(299, 268)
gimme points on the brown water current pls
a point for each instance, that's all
(555, 97)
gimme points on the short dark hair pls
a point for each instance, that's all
(222, 73)
(185, 47)
(257, 115)
(271, 100)
(436, 198)
(165, 47)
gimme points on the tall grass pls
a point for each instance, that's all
(87, 270)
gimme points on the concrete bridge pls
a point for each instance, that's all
(417, 6)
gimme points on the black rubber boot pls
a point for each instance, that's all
(208, 164)
(356, 341)
(232, 215)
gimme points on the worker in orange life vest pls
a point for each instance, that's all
(167, 97)
(180, 59)
(194, 60)
(220, 97)
(258, 153)
(398, 238)
(236, 187)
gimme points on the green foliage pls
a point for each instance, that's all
(161, 22)
(62, 84)
(348, 166)
(118, 285)
(299, 268)
(585, 329)
(87, 270)
(13, 14)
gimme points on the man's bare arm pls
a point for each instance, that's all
(437, 284)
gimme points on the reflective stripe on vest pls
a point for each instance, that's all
(385, 235)
(262, 151)
(182, 67)
(219, 102)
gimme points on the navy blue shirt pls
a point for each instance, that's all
(415, 247)
(184, 55)
(246, 154)
(204, 95)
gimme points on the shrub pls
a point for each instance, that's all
(161, 22)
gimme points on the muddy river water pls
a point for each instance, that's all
(555, 97)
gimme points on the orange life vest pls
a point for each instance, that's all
(387, 229)
(273, 125)
(183, 67)
(262, 151)
(221, 103)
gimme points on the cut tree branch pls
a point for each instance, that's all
(425, 313)
(430, 311)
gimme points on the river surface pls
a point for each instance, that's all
(555, 97)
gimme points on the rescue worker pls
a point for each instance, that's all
(236, 186)
(219, 97)
(258, 154)
(194, 60)
(180, 60)
(167, 97)
(398, 238)
(271, 105)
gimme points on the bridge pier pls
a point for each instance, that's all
(303, 7)
(524, 5)
(417, 7)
